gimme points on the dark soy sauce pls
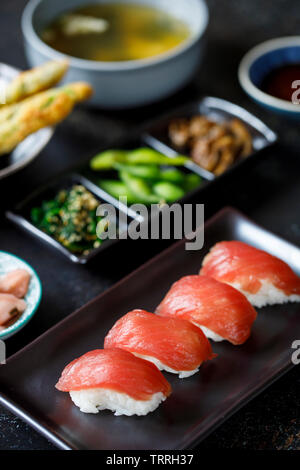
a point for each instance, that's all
(279, 81)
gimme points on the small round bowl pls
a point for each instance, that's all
(129, 83)
(259, 61)
(9, 262)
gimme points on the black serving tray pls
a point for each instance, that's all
(217, 109)
(198, 404)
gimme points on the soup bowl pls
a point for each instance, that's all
(128, 83)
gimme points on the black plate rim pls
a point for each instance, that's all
(189, 441)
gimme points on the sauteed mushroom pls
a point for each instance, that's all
(212, 145)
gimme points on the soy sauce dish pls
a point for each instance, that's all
(269, 73)
(152, 61)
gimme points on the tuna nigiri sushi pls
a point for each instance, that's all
(174, 345)
(261, 277)
(15, 282)
(10, 307)
(222, 312)
(116, 380)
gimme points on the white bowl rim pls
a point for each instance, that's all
(33, 38)
(250, 57)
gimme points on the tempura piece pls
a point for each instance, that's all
(35, 80)
(44, 109)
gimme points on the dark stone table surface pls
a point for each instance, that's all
(269, 192)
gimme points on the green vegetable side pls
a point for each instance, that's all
(145, 175)
(71, 219)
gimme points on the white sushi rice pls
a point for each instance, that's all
(268, 294)
(182, 374)
(94, 400)
(209, 333)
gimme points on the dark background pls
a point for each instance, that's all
(268, 192)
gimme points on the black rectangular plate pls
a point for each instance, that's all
(217, 109)
(198, 404)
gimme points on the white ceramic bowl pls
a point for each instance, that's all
(129, 83)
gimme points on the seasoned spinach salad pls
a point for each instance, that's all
(70, 217)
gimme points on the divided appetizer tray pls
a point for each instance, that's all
(155, 137)
(198, 404)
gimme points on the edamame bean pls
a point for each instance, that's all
(146, 155)
(107, 159)
(192, 181)
(139, 188)
(141, 171)
(117, 189)
(168, 191)
(173, 175)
